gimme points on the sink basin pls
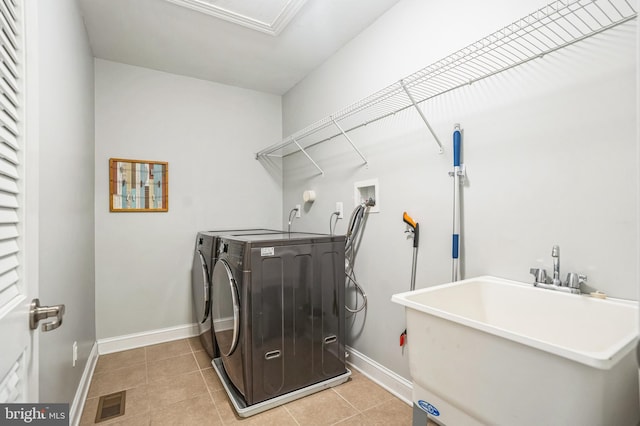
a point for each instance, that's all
(493, 351)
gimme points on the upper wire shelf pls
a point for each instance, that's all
(557, 25)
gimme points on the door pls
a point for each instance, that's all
(226, 308)
(200, 286)
(18, 358)
(225, 315)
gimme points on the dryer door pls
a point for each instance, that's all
(226, 308)
(200, 284)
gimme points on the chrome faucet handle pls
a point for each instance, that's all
(574, 280)
(540, 274)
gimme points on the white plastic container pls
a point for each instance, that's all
(499, 352)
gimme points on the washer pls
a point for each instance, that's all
(204, 258)
(278, 313)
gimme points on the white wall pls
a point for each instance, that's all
(208, 133)
(66, 200)
(549, 147)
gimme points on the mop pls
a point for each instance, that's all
(458, 179)
(415, 230)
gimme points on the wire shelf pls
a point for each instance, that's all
(557, 25)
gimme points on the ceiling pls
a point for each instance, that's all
(266, 45)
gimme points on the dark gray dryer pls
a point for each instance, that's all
(201, 289)
(278, 312)
(204, 258)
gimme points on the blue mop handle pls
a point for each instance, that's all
(455, 246)
(456, 148)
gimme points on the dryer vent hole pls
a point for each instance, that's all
(111, 406)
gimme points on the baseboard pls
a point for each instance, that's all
(75, 411)
(152, 337)
(394, 383)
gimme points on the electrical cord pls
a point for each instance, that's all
(337, 215)
(293, 210)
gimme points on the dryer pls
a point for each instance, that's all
(278, 312)
(201, 289)
(204, 258)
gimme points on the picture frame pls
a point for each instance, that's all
(138, 185)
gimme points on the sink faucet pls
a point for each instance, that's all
(555, 254)
(570, 285)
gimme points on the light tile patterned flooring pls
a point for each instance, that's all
(173, 384)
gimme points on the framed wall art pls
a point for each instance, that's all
(138, 185)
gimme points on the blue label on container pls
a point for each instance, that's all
(428, 408)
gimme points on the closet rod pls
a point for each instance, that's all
(551, 28)
(389, 114)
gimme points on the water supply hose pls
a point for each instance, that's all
(354, 230)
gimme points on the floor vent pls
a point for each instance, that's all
(111, 406)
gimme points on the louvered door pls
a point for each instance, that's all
(15, 336)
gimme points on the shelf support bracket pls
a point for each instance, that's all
(308, 156)
(413, 101)
(350, 141)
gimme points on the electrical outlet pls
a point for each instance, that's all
(75, 353)
(299, 212)
(340, 209)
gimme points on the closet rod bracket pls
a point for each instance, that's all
(307, 155)
(415, 104)
(350, 141)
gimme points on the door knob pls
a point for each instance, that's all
(37, 313)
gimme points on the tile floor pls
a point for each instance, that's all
(173, 384)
